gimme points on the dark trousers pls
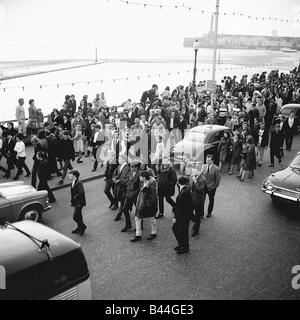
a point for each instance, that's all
(211, 196)
(161, 202)
(33, 173)
(199, 213)
(128, 204)
(181, 233)
(289, 141)
(95, 149)
(43, 185)
(67, 165)
(77, 217)
(109, 185)
(121, 199)
(21, 165)
(53, 165)
(276, 153)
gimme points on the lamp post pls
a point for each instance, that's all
(196, 46)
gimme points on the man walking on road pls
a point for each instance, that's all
(276, 145)
(77, 201)
(212, 174)
(183, 213)
(20, 116)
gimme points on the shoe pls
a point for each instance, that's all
(118, 217)
(16, 178)
(279, 161)
(249, 177)
(79, 161)
(59, 174)
(238, 176)
(101, 166)
(209, 215)
(242, 180)
(94, 170)
(271, 166)
(136, 238)
(194, 234)
(60, 181)
(81, 232)
(230, 173)
(259, 165)
(76, 231)
(177, 248)
(28, 175)
(153, 236)
(125, 229)
(114, 207)
(181, 251)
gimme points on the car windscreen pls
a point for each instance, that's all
(47, 279)
(296, 163)
(195, 136)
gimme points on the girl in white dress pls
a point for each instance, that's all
(78, 143)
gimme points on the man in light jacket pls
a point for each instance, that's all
(212, 174)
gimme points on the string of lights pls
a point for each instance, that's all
(139, 77)
(190, 8)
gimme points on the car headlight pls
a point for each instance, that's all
(270, 186)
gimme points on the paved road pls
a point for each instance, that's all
(245, 251)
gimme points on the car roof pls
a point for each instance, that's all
(290, 106)
(208, 128)
(12, 189)
(18, 252)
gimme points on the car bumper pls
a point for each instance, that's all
(47, 206)
(280, 195)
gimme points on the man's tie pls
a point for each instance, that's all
(207, 169)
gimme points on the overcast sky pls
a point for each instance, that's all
(72, 28)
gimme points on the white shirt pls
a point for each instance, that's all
(291, 122)
(171, 123)
(20, 149)
(122, 166)
(96, 136)
(73, 183)
(160, 149)
(261, 132)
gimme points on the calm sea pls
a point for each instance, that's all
(116, 92)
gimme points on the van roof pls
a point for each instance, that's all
(18, 252)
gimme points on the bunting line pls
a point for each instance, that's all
(147, 76)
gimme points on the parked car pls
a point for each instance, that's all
(286, 109)
(198, 143)
(22, 202)
(285, 184)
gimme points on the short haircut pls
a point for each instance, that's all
(146, 175)
(30, 101)
(211, 156)
(75, 173)
(182, 180)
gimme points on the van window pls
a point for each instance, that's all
(47, 279)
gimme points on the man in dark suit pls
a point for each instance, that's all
(212, 174)
(290, 129)
(67, 153)
(77, 201)
(183, 213)
(276, 144)
(111, 166)
(197, 183)
(120, 179)
(133, 189)
(43, 173)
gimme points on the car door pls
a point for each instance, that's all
(5, 209)
(212, 146)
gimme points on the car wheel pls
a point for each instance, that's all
(31, 213)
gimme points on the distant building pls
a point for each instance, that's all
(235, 41)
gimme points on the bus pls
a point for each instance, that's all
(38, 263)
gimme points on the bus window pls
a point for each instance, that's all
(48, 279)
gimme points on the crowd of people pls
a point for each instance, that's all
(131, 139)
